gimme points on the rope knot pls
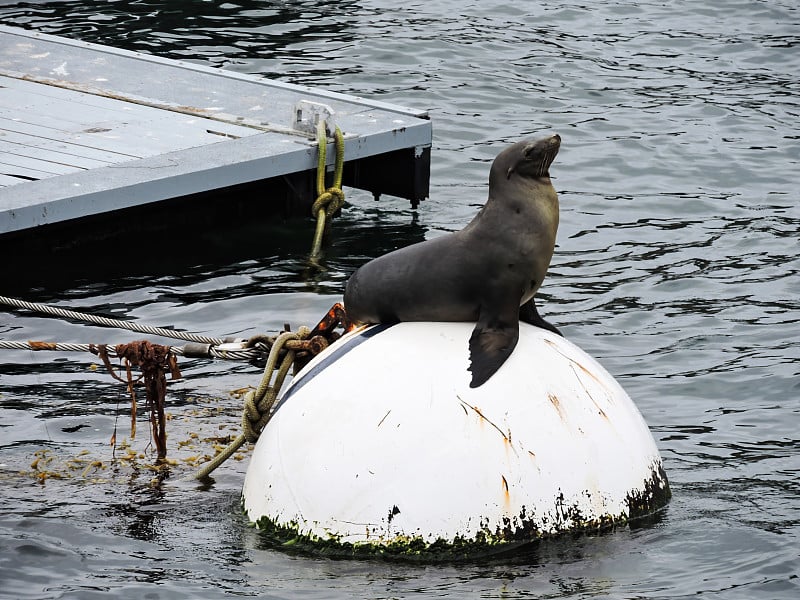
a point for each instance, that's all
(252, 418)
(330, 200)
(258, 403)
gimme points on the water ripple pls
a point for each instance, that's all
(677, 267)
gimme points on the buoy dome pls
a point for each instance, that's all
(379, 443)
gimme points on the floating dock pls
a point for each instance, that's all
(92, 135)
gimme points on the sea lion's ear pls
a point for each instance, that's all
(509, 172)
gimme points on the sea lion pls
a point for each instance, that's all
(488, 272)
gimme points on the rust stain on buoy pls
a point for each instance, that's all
(557, 405)
(506, 494)
(484, 418)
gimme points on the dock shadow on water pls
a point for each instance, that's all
(676, 267)
(51, 267)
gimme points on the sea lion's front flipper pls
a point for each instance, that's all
(529, 314)
(493, 340)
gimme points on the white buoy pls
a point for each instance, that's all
(379, 443)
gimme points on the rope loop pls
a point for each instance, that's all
(331, 199)
(258, 403)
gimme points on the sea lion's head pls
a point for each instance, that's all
(531, 158)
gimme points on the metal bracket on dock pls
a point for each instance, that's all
(307, 115)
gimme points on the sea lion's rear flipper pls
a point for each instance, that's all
(529, 314)
(493, 340)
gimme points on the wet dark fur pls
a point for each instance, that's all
(488, 272)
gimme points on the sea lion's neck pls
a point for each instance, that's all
(524, 200)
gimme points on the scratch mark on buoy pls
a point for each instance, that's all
(506, 438)
(575, 362)
(585, 389)
(482, 416)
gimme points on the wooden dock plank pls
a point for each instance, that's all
(37, 163)
(126, 128)
(47, 150)
(16, 132)
(21, 171)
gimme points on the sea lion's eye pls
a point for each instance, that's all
(530, 151)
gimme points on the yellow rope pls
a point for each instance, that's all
(331, 199)
(322, 145)
(259, 402)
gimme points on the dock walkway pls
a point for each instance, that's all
(87, 130)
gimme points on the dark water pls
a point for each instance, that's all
(676, 267)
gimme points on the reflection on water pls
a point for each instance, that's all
(220, 33)
(676, 267)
